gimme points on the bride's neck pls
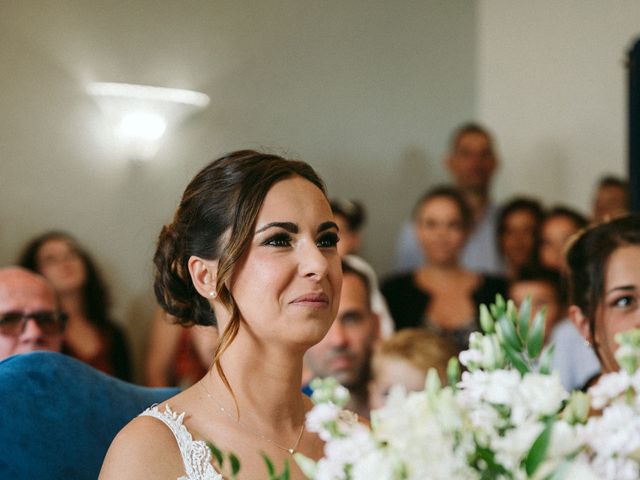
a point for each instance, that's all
(265, 382)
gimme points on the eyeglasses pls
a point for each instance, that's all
(13, 324)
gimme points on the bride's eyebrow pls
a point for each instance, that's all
(288, 226)
(326, 226)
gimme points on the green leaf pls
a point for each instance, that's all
(307, 465)
(524, 316)
(500, 303)
(235, 465)
(270, 468)
(507, 334)
(560, 473)
(486, 322)
(536, 340)
(538, 450)
(545, 359)
(286, 472)
(216, 453)
(453, 371)
(517, 360)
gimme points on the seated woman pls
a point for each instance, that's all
(604, 285)
(559, 225)
(441, 296)
(90, 335)
(252, 248)
(177, 355)
(518, 234)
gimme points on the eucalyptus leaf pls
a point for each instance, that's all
(546, 358)
(539, 449)
(536, 340)
(507, 334)
(500, 303)
(524, 316)
(217, 453)
(271, 470)
(486, 321)
(286, 473)
(307, 465)
(235, 465)
(516, 360)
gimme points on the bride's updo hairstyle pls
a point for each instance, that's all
(215, 220)
(588, 257)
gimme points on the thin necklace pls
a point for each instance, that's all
(290, 451)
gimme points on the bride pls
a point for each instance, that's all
(252, 248)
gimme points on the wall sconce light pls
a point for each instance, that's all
(142, 114)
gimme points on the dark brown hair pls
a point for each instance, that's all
(468, 128)
(451, 193)
(94, 291)
(215, 220)
(587, 259)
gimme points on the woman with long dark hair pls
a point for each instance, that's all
(251, 249)
(90, 334)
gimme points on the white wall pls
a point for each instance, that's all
(365, 90)
(552, 85)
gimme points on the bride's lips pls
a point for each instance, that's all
(312, 300)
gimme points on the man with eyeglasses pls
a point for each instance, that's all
(29, 315)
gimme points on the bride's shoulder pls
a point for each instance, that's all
(144, 448)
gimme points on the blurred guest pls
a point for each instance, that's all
(404, 359)
(559, 224)
(573, 359)
(350, 216)
(472, 162)
(442, 295)
(177, 355)
(345, 351)
(519, 234)
(29, 315)
(90, 335)
(611, 199)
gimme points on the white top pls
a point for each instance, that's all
(196, 456)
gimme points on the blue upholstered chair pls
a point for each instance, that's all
(58, 416)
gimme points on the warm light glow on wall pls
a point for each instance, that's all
(140, 114)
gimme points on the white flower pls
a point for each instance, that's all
(377, 465)
(497, 387)
(540, 395)
(512, 447)
(609, 386)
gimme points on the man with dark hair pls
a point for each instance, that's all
(611, 198)
(29, 315)
(472, 162)
(344, 353)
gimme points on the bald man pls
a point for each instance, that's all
(29, 315)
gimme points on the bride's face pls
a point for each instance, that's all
(287, 286)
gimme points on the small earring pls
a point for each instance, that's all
(213, 294)
(587, 343)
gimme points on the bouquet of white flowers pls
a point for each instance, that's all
(506, 417)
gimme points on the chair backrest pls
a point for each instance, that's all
(58, 416)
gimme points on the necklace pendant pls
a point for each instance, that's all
(290, 450)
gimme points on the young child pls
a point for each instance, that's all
(404, 359)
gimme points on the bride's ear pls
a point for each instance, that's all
(203, 275)
(581, 322)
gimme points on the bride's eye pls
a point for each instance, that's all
(328, 240)
(623, 302)
(278, 240)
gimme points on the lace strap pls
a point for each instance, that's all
(196, 456)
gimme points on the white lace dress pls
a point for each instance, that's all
(196, 456)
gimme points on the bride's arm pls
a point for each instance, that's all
(145, 448)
